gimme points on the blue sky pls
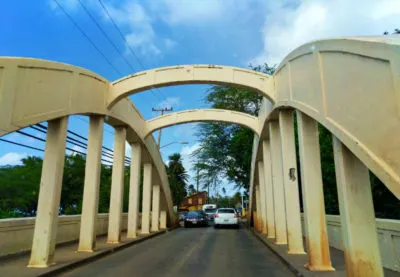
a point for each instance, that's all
(171, 32)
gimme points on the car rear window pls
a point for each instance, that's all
(226, 211)
(210, 211)
(194, 213)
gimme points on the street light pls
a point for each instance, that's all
(180, 142)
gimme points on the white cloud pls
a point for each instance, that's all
(76, 148)
(170, 102)
(12, 158)
(169, 43)
(141, 34)
(186, 131)
(186, 155)
(128, 150)
(287, 26)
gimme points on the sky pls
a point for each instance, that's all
(173, 32)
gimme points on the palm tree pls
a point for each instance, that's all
(177, 177)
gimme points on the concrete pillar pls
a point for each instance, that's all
(277, 180)
(290, 184)
(147, 176)
(163, 219)
(313, 195)
(117, 187)
(360, 241)
(258, 208)
(44, 236)
(269, 190)
(87, 237)
(262, 197)
(134, 184)
(155, 216)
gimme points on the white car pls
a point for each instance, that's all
(226, 217)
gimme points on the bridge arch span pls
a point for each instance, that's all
(202, 115)
(190, 74)
(359, 105)
(33, 91)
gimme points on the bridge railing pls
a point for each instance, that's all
(16, 233)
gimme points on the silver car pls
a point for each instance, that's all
(226, 217)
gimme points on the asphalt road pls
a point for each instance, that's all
(195, 252)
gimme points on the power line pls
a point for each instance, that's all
(20, 144)
(92, 42)
(162, 111)
(72, 141)
(42, 150)
(87, 37)
(127, 44)
(108, 38)
(105, 34)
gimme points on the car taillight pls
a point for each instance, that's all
(216, 216)
(235, 216)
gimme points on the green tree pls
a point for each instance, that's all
(19, 188)
(177, 177)
(225, 149)
(72, 188)
(237, 197)
(191, 189)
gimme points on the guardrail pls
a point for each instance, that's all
(16, 234)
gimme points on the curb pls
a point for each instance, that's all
(291, 267)
(102, 254)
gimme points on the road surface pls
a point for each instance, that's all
(195, 252)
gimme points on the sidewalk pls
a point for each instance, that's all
(66, 257)
(296, 262)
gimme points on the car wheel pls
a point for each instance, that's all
(215, 226)
(185, 225)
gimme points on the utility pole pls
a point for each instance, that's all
(208, 193)
(162, 113)
(197, 184)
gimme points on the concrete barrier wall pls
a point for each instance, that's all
(388, 236)
(16, 234)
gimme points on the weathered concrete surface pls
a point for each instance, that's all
(16, 233)
(388, 238)
(296, 262)
(191, 252)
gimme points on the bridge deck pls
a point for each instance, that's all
(193, 252)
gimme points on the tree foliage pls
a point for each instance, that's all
(225, 149)
(177, 177)
(19, 187)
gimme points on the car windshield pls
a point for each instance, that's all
(210, 211)
(226, 211)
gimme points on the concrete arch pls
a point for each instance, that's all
(352, 87)
(190, 74)
(217, 115)
(32, 91)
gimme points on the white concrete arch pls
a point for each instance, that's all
(190, 74)
(202, 115)
(33, 90)
(352, 87)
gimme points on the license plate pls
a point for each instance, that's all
(226, 220)
(194, 222)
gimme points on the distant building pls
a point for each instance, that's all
(193, 202)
